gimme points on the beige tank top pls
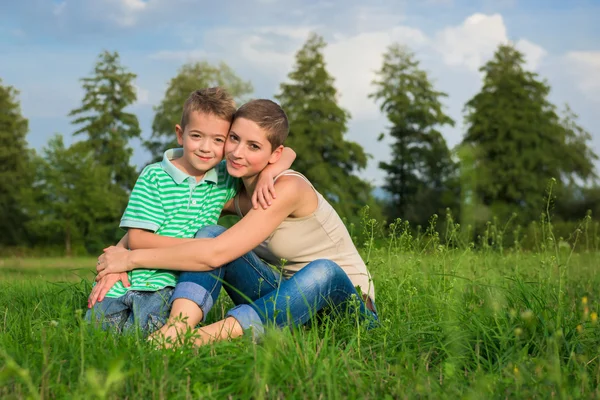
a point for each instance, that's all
(321, 234)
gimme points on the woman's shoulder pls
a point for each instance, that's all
(293, 179)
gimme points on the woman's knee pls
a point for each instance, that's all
(325, 270)
(210, 231)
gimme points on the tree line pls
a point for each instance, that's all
(70, 198)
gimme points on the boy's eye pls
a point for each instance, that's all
(219, 140)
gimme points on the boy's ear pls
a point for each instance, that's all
(276, 155)
(179, 133)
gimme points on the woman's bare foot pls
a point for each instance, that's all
(178, 333)
(228, 328)
(172, 334)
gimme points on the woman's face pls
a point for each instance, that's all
(247, 149)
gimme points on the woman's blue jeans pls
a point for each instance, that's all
(262, 296)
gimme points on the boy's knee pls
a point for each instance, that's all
(210, 231)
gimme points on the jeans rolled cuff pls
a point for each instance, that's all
(194, 292)
(248, 319)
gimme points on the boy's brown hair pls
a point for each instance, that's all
(215, 101)
(269, 116)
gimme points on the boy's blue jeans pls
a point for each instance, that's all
(147, 310)
(263, 296)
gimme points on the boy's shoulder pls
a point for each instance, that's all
(225, 179)
(153, 170)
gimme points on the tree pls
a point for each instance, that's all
(15, 171)
(420, 175)
(519, 141)
(108, 126)
(73, 192)
(190, 77)
(317, 128)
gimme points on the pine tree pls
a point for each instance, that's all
(420, 175)
(107, 125)
(190, 77)
(15, 171)
(317, 132)
(519, 141)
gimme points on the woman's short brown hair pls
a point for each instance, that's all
(269, 116)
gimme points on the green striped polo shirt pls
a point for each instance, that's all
(169, 202)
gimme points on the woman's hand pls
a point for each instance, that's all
(264, 191)
(114, 259)
(104, 285)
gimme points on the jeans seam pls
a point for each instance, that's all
(216, 282)
(258, 271)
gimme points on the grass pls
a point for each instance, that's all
(456, 323)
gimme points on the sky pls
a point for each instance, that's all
(46, 46)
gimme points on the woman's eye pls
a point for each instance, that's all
(254, 147)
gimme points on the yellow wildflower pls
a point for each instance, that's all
(584, 300)
(579, 328)
(518, 332)
(594, 318)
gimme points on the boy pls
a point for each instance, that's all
(173, 198)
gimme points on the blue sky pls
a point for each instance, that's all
(47, 45)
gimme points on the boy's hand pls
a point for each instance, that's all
(264, 192)
(104, 285)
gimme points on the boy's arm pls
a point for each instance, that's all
(124, 242)
(142, 239)
(264, 192)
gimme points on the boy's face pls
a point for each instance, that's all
(202, 141)
(248, 151)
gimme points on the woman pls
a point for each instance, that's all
(320, 266)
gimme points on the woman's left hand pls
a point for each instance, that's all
(114, 259)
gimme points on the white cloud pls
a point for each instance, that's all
(300, 33)
(179, 55)
(59, 8)
(473, 42)
(353, 61)
(122, 13)
(126, 12)
(19, 33)
(584, 67)
(533, 53)
(143, 96)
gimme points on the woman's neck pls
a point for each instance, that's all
(250, 184)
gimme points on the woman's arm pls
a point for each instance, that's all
(206, 254)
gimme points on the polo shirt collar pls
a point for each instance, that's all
(178, 175)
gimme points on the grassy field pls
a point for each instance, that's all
(455, 324)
